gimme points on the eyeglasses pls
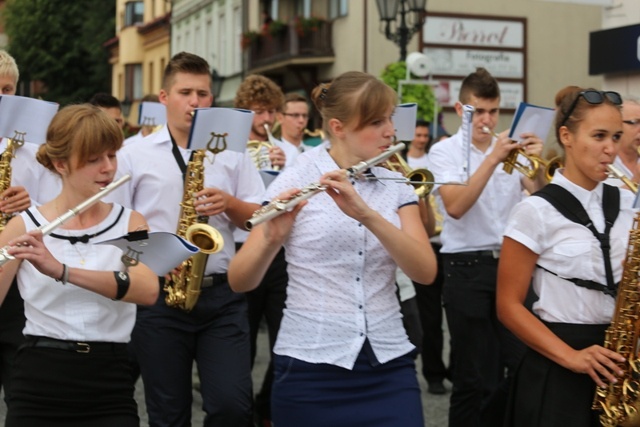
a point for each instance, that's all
(296, 115)
(634, 122)
(593, 97)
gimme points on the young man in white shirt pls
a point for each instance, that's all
(474, 220)
(627, 159)
(215, 333)
(293, 121)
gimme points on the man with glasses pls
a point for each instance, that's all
(293, 121)
(628, 156)
(474, 218)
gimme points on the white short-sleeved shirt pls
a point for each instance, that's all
(421, 162)
(157, 186)
(41, 184)
(570, 250)
(68, 312)
(482, 226)
(341, 287)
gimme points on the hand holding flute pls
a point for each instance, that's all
(330, 180)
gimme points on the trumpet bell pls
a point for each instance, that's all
(426, 177)
(551, 166)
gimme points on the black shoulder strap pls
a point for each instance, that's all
(570, 208)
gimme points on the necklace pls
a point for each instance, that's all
(80, 254)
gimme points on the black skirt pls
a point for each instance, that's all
(62, 387)
(544, 394)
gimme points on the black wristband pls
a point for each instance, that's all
(122, 280)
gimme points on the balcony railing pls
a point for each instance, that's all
(289, 44)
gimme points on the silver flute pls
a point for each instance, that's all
(278, 207)
(48, 228)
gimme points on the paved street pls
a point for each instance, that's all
(435, 407)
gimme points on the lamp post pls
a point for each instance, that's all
(125, 105)
(216, 85)
(402, 31)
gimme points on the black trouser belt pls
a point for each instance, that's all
(78, 347)
(207, 281)
(483, 254)
(214, 280)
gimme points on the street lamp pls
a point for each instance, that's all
(125, 105)
(216, 84)
(407, 27)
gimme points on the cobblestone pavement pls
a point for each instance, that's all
(435, 407)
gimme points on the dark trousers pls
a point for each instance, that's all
(267, 302)
(484, 352)
(429, 299)
(216, 335)
(12, 322)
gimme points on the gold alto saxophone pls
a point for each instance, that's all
(183, 288)
(5, 170)
(618, 403)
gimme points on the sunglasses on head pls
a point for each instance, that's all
(593, 97)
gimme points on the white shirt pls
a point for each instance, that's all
(341, 287)
(570, 250)
(156, 187)
(133, 138)
(41, 184)
(68, 312)
(421, 162)
(482, 226)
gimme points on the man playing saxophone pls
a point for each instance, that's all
(215, 333)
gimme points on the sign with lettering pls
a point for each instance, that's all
(460, 62)
(457, 44)
(458, 31)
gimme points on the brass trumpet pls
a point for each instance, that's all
(421, 179)
(259, 151)
(531, 169)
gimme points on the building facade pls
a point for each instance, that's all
(139, 51)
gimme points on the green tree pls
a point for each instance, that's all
(60, 43)
(420, 94)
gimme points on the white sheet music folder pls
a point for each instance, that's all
(404, 121)
(531, 118)
(29, 117)
(152, 114)
(161, 251)
(216, 127)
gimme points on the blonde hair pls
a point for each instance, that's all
(8, 66)
(79, 130)
(353, 96)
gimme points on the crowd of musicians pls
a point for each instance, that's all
(351, 282)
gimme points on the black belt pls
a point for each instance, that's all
(78, 347)
(214, 280)
(495, 254)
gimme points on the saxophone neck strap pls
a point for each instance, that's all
(178, 156)
(570, 208)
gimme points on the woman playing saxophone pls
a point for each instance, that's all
(342, 329)
(574, 275)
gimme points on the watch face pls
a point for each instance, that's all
(122, 275)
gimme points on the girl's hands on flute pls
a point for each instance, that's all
(30, 247)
